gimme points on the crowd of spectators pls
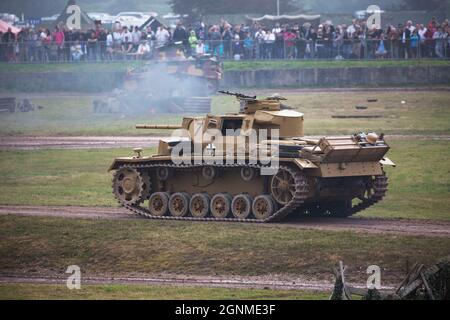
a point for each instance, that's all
(255, 41)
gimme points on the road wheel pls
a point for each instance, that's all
(159, 204)
(199, 205)
(221, 205)
(179, 204)
(263, 207)
(241, 206)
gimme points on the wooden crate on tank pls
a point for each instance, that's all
(343, 149)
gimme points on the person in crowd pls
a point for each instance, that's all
(2, 47)
(405, 46)
(279, 41)
(290, 41)
(193, 41)
(269, 43)
(46, 39)
(143, 50)
(227, 37)
(381, 52)
(200, 48)
(238, 48)
(180, 34)
(101, 34)
(422, 31)
(9, 40)
(58, 39)
(126, 34)
(260, 35)
(311, 48)
(127, 46)
(109, 46)
(162, 37)
(76, 52)
(92, 46)
(248, 46)
(415, 42)
(215, 38)
(136, 36)
(447, 31)
(440, 40)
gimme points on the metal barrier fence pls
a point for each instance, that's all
(249, 49)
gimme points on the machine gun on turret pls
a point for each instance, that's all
(239, 96)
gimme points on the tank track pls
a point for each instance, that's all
(380, 187)
(301, 192)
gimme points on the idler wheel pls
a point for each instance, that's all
(199, 205)
(263, 207)
(159, 204)
(282, 186)
(130, 187)
(241, 206)
(221, 205)
(179, 204)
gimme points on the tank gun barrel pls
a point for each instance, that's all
(160, 127)
(238, 95)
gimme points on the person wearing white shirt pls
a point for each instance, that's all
(422, 38)
(410, 26)
(439, 36)
(162, 37)
(136, 36)
(200, 48)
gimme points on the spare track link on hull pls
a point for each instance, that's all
(301, 192)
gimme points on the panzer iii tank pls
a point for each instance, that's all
(227, 180)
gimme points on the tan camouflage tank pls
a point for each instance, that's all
(227, 179)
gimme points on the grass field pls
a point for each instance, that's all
(422, 113)
(46, 246)
(419, 186)
(228, 65)
(68, 67)
(141, 292)
(296, 64)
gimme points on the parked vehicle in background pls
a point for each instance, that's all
(9, 18)
(127, 19)
(51, 18)
(105, 18)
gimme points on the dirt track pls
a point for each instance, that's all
(183, 281)
(44, 142)
(272, 282)
(429, 228)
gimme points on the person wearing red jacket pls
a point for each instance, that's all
(59, 39)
